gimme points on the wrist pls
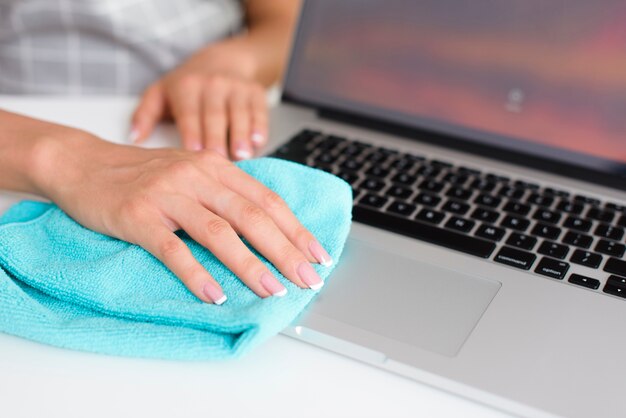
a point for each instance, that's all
(55, 161)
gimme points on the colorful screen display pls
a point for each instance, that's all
(541, 76)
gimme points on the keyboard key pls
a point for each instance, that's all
(483, 185)
(440, 163)
(401, 208)
(431, 216)
(611, 232)
(487, 200)
(516, 258)
(325, 158)
(586, 258)
(431, 186)
(610, 248)
(522, 241)
(331, 142)
(515, 222)
(552, 268)
(546, 231)
(525, 185)
(573, 222)
(456, 179)
(350, 178)
(377, 171)
(615, 207)
(540, 200)
(615, 266)
(403, 164)
(516, 208)
(372, 184)
(373, 200)
(428, 171)
(468, 171)
(579, 240)
(352, 149)
(459, 193)
(511, 192)
(600, 215)
(427, 199)
(622, 221)
(460, 224)
(497, 177)
(570, 207)
(351, 165)
(615, 286)
(546, 215)
(584, 281)
(376, 157)
(404, 179)
(586, 199)
(489, 232)
(455, 207)
(553, 249)
(485, 215)
(444, 237)
(399, 192)
(555, 192)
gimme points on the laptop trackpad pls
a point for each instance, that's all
(404, 300)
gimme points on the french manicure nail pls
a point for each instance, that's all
(257, 138)
(243, 153)
(272, 285)
(309, 276)
(214, 293)
(133, 136)
(320, 254)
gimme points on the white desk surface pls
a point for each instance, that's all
(283, 378)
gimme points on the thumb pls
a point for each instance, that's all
(149, 112)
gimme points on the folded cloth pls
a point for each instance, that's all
(65, 285)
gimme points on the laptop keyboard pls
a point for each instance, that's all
(545, 230)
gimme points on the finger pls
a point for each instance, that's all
(253, 190)
(214, 117)
(185, 102)
(217, 236)
(261, 231)
(149, 112)
(240, 144)
(172, 251)
(259, 117)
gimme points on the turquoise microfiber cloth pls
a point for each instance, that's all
(68, 286)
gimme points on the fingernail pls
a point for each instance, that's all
(133, 136)
(214, 293)
(257, 138)
(320, 254)
(309, 276)
(272, 285)
(243, 153)
(196, 147)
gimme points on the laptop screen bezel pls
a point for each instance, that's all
(290, 95)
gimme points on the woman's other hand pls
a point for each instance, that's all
(217, 97)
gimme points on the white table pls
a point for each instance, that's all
(283, 378)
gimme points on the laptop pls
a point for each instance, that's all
(485, 143)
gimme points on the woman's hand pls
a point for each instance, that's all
(217, 97)
(142, 196)
(213, 110)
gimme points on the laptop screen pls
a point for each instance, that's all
(547, 78)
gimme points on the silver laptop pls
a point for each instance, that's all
(486, 146)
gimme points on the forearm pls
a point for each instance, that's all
(27, 152)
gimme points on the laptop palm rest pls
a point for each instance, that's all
(375, 293)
